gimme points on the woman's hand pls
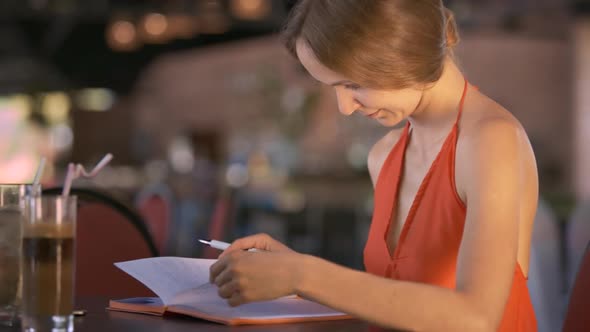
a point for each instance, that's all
(243, 276)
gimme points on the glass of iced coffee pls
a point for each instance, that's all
(11, 217)
(48, 246)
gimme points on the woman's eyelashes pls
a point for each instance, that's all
(352, 86)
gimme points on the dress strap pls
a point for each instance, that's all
(465, 86)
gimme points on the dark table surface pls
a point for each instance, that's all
(98, 318)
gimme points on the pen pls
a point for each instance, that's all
(219, 244)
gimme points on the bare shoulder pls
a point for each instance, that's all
(485, 121)
(488, 129)
(380, 151)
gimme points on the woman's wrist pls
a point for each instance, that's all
(303, 270)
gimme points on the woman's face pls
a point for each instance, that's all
(388, 107)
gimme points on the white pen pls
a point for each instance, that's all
(219, 244)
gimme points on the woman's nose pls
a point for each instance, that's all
(347, 104)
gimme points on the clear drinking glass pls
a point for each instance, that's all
(48, 245)
(11, 217)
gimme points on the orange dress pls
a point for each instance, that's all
(428, 245)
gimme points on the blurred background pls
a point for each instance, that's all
(218, 133)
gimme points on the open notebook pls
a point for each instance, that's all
(182, 286)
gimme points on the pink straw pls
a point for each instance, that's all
(77, 170)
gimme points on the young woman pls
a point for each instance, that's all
(455, 189)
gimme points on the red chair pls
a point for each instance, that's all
(216, 228)
(220, 222)
(578, 315)
(107, 232)
(156, 212)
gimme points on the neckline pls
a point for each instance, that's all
(421, 188)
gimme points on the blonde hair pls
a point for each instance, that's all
(376, 43)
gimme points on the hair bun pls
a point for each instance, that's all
(452, 35)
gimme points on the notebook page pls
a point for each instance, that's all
(205, 299)
(167, 276)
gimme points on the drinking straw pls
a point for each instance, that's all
(39, 173)
(77, 170)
